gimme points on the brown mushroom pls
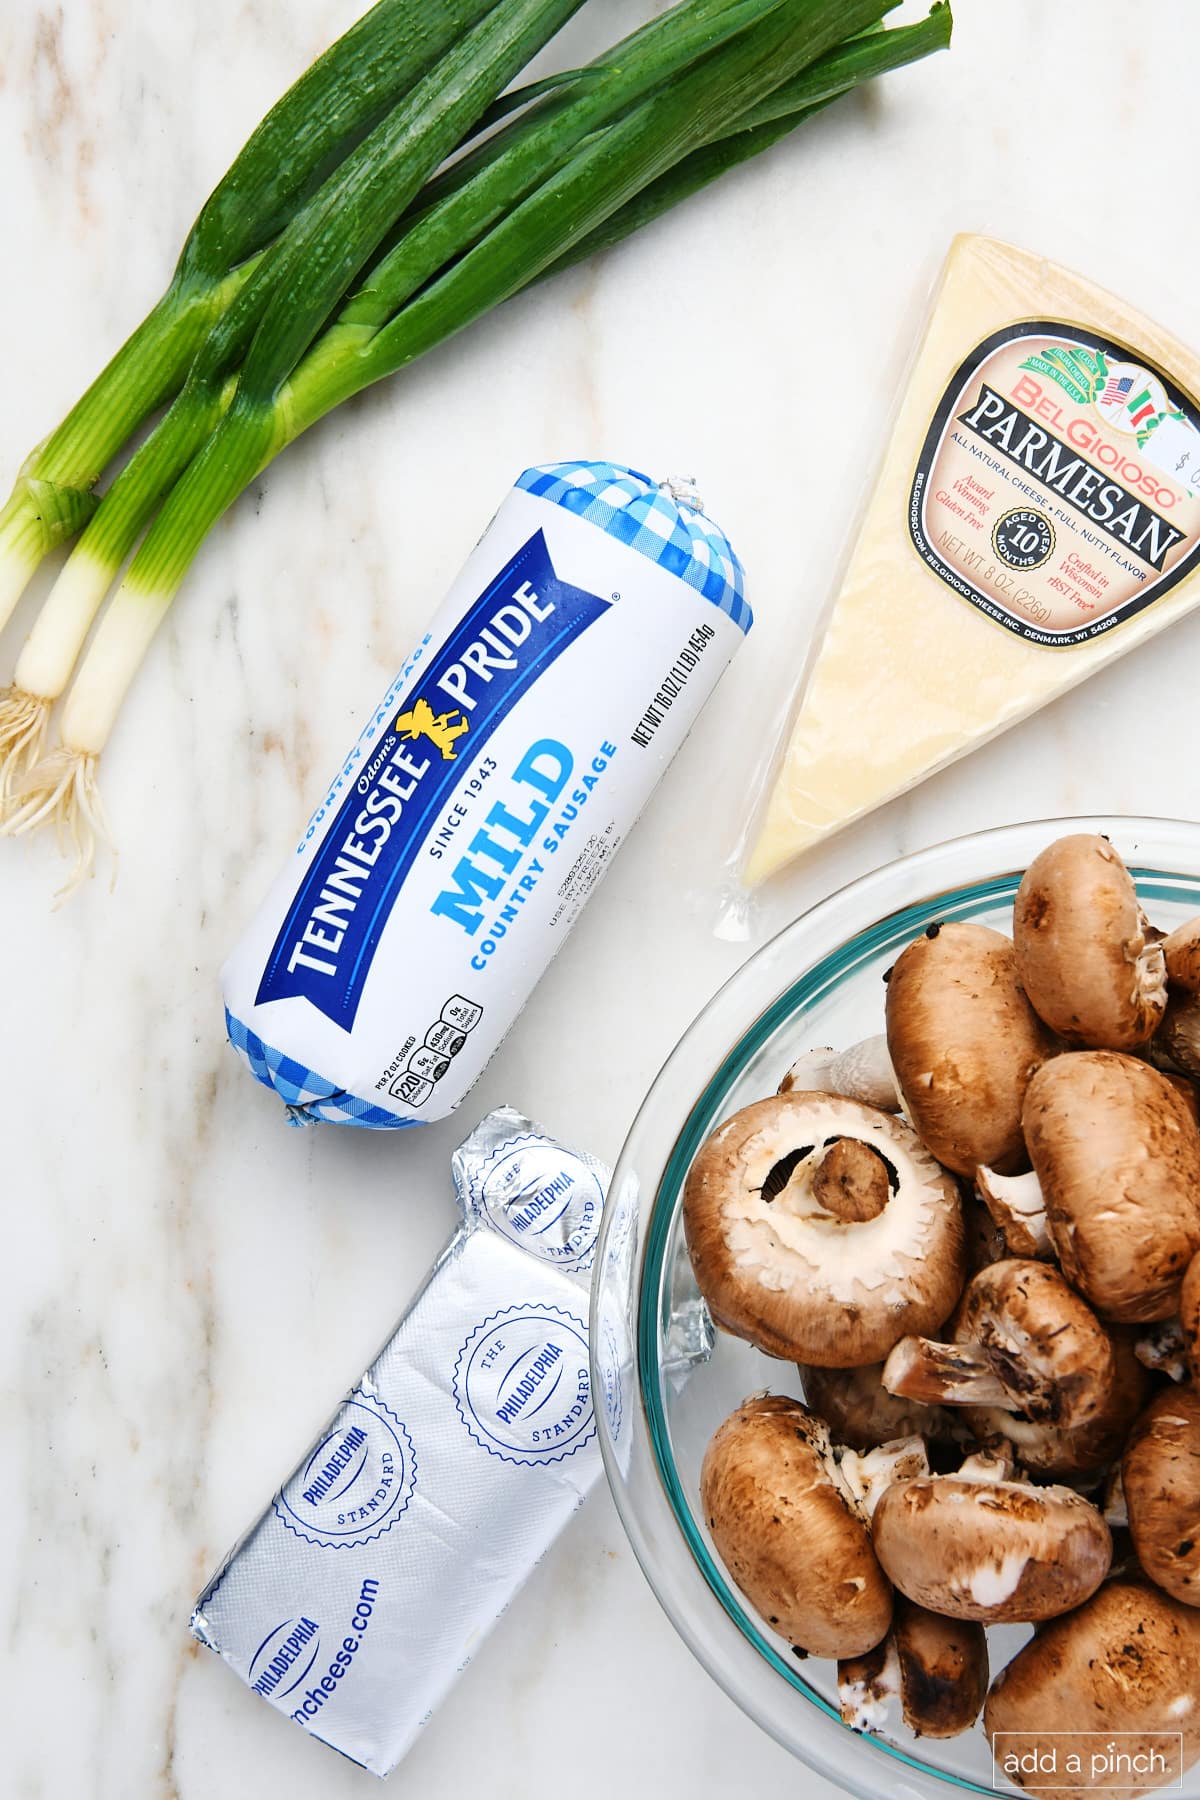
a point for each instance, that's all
(1046, 1449)
(1092, 969)
(792, 1537)
(821, 1230)
(1117, 1154)
(937, 1667)
(1189, 1316)
(1022, 1341)
(997, 1551)
(1160, 1476)
(964, 1042)
(1181, 954)
(1124, 1668)
(860, 1412)
(1177, 1041)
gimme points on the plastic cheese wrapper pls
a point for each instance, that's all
(486, 797)
(448, 1471)
(1036, 516)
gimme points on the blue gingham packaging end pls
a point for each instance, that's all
(309, 1098)
(664, 520)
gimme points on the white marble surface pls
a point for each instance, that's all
(186, 1285)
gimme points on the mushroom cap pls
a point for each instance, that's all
(964, 1042)
(1118, 1156)
(1126, 1661)
(996, 1551)
(860, 1412)
(779, 1268)
(1087, 962)
(1177, 1039)
(1047, 1346)
(1049, 1450)
(1189, 1316)
(1181, 953)
(794, 1542)
(1160, 1475)
(1185, 1087)
(1014, 1205)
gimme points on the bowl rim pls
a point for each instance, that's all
(986, 869)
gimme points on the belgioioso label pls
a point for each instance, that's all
(1058, 487)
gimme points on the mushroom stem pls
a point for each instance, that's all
(864, 1477)
(992, 1462)
(1016, 1204)
(851, 1182)
(1116, 1513)
(1162, 1347)
(863, 1072)
(944, 1375)
(867, 1685)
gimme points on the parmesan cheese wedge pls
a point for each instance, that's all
(1037, 515)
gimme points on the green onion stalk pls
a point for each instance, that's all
(302, 139)
(655, 120)
(367, 191)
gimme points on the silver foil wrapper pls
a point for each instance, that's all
(416, 1514)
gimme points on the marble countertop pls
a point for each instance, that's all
(186, 1284)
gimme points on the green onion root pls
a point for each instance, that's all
(24, 718)
(63, 788)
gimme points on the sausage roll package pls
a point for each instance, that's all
(486, 797)
(443, 1477)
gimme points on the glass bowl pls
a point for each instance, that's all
(665, 1383)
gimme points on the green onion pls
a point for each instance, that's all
(587, 159)
(334, 233)
(456, 209)
(765, 125)
(320, 119)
